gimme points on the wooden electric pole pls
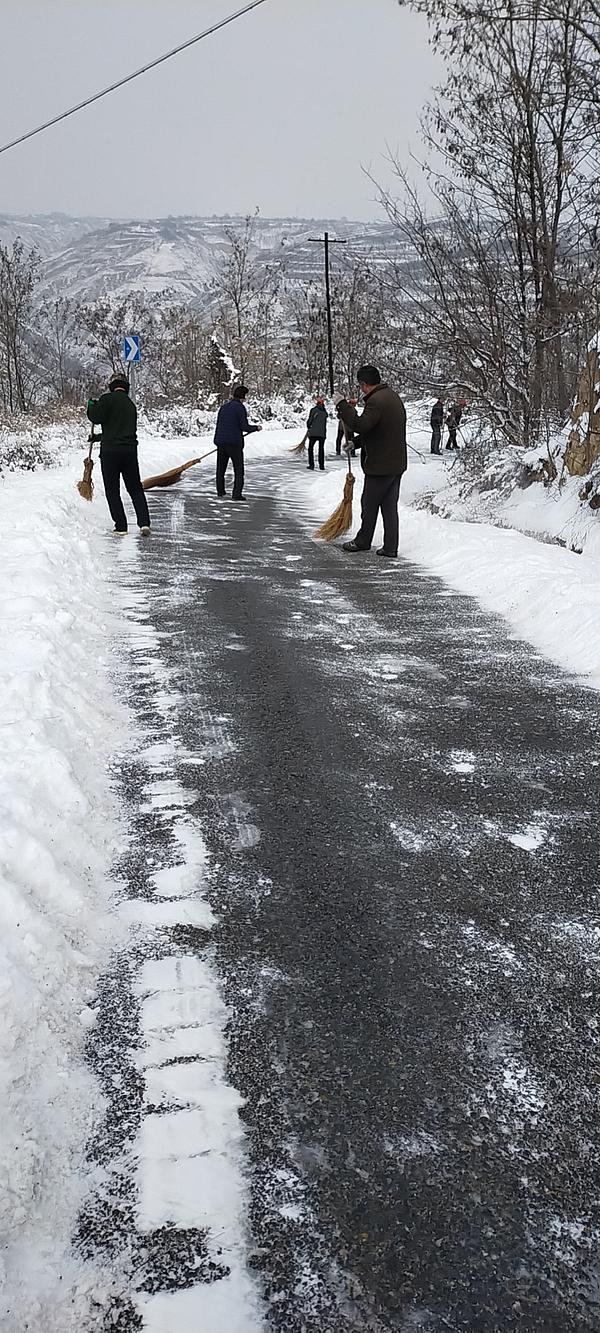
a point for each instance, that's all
(326, 242)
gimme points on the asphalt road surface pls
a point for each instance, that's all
(401, 807)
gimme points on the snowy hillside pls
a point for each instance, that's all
(50, 233)
(87, 258)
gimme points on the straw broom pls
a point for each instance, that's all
(300, 448)
(174, 474)
(86, 485)
(341, 520)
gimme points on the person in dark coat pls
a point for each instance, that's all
(345, 436)
(453, 421)
(437, 422)
(230, 432)
(381, 431)
(317, 433)
(117, 415)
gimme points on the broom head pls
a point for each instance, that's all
(86, 485)
(341, 519)
(169, 478)
(299, 448)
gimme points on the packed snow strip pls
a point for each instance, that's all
(188, 1151)
(58, 837)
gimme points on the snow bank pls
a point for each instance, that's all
(57, 841)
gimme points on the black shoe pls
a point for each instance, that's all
(239, 498)
(390, 555)
(351, 546)
(310, 469)
(222, 495)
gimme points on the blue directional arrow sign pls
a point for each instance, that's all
(132, 351)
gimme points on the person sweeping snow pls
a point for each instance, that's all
(381, 431)
(231, 430)
(117, 416)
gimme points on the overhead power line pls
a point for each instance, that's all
(136, 75)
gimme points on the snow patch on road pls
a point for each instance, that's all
(410, 840)
(530, 838)
(498, 951)
(462, 761)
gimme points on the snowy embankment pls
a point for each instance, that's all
(58, 829)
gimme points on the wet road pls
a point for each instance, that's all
(400, 804)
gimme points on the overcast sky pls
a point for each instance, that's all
(279, 111)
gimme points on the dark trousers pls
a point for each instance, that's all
(312, 440)
(117, 464)
(380, 493)
(340, 440)
(452, 441)
(436, 439)
(230, 453)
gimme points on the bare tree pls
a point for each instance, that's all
(235, 285)
(18, 277)
(497, 294)
(359, 324)
(179, 352)
(58, 325)
(104, 324)
(247, 294)
(307, 351)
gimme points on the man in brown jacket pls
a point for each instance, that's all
(381, 432)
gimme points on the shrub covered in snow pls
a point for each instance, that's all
(25, 451)
(29, 442)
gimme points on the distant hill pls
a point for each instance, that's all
(87, 258)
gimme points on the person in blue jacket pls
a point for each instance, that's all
(231, 429)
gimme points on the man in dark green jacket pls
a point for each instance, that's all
(117, 415)
(381, 432)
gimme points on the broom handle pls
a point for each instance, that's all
(191, 463)
(93, 439)
(213, 451)
(347, 450)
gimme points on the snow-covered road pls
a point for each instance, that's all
(123, 1165)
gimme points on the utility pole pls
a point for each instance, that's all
(326, 241)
